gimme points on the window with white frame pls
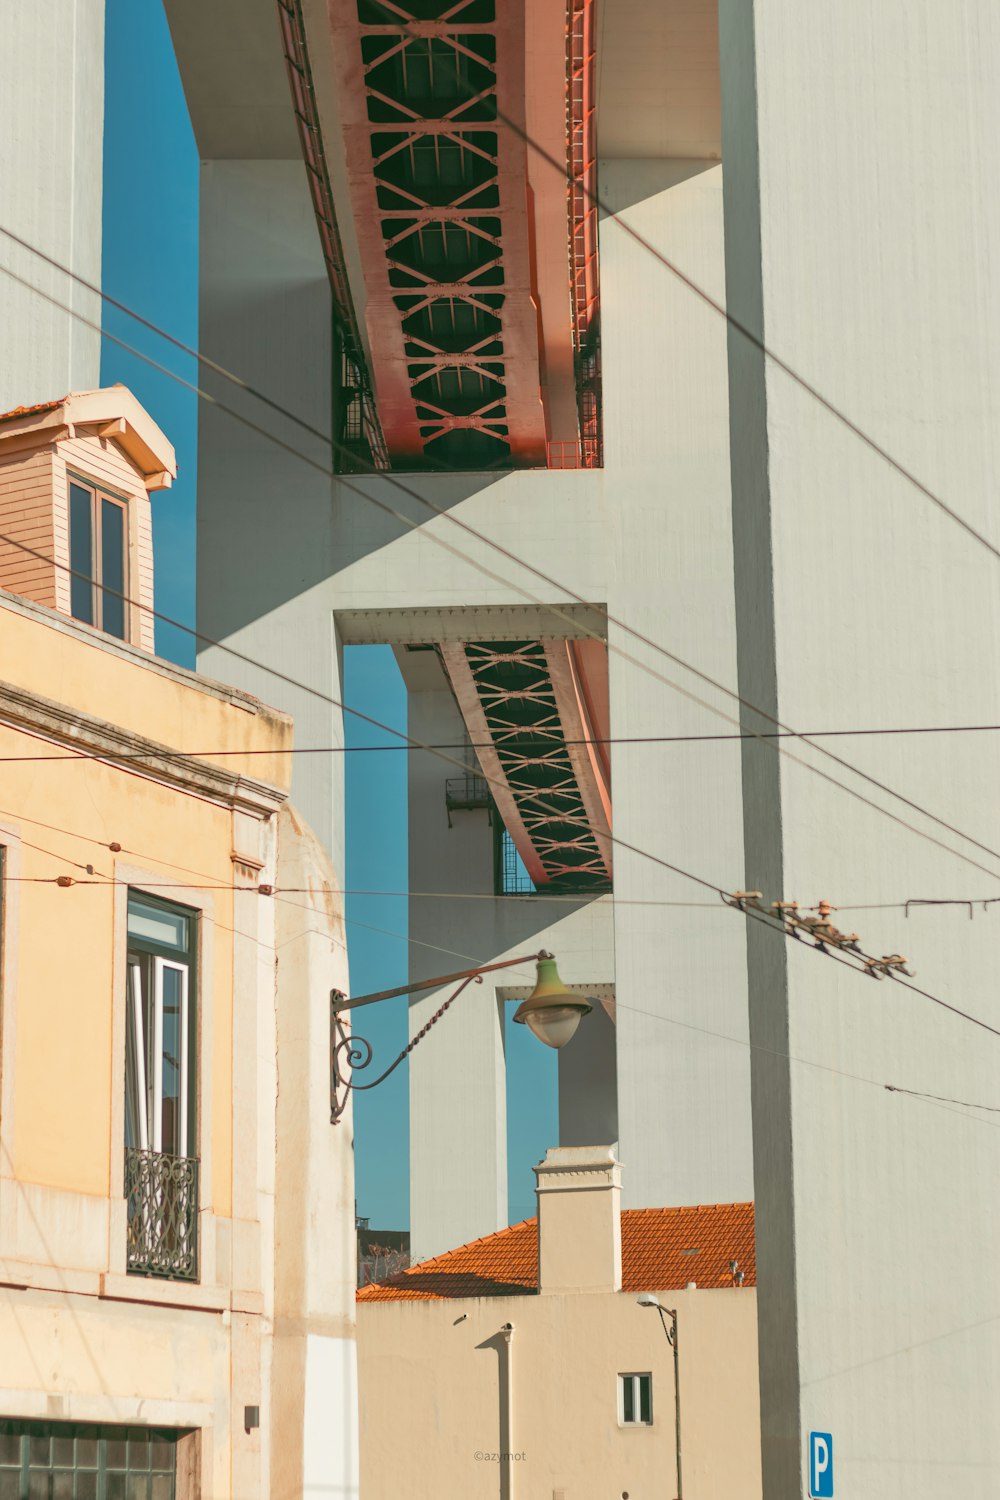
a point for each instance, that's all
(161, 1163)
(635, 1400)
(98, 557)
(159, 1036)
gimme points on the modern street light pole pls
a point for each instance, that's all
(648, 1300)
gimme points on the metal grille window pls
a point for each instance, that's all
(161, 1167)
(510, 877)
(73, 1461)
(635, 1400)
(98, 557)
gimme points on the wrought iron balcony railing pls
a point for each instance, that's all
(161, 1192)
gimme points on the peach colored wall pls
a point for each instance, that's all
(58, 1132)
(59, 660)
(431, 1374)
(61, 954)
(26, 514)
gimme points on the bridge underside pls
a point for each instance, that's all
(478, 250)
(537, 711)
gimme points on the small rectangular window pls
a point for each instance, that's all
(98, 559)
(635, 1400)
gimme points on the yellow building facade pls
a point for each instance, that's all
(176, 1210)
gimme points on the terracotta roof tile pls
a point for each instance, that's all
(30, 411)
(662, 1250)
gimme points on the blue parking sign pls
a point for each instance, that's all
(820, 1465)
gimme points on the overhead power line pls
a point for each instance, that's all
(938, 1099)
(776, 923)
(450, 516)
(462, 766)
(402, 749)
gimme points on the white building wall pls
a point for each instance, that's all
(861, 241)
(51, 157)
(648, 537)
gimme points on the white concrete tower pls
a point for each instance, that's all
(862, 232)
(644, 539)
(51, 150)
(735, 522)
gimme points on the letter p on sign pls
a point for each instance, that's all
(820, 1466)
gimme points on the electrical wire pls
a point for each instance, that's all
(772, 924)
(759, 915)
(463, 767)
(553, 609)
(620, 739)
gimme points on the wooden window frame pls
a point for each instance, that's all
(99, 493)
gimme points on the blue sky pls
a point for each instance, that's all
(151, 265)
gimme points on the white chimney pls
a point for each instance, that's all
(579, 1220)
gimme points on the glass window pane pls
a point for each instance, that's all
(62, 1451)
(81, 553)
(10, 1484)
(38, 1484)
(10, 1448)
(115, 1486)
(86, 1451)
(115, 1449)
(644, 1398)
(172, 981)
(62, 1484)
(86, 1484)
(163, 1487)
(162, 1453)
(138, 1449)
(39, 1449)
(113, 568)
(154, 924)
(138, 1486)
(628, 1401)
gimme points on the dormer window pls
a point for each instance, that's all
(76, 532)
(98, 553)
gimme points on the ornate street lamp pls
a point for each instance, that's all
(551, 1011)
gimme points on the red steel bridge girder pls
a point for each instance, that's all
(457, 335)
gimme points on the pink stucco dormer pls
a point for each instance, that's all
(75, 524)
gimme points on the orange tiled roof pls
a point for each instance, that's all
(662, 1250)
(30, 411)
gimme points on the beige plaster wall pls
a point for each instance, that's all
(65, 956)
(270, 1322)
(56, 658)
(431, 1375)
(79, 1338)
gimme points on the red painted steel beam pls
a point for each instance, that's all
(385, 234)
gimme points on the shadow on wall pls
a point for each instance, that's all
(632, 182)
(505, 1455)
(271, 495)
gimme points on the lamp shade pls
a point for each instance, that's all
(551, 1010)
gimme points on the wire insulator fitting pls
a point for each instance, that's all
(743, 900)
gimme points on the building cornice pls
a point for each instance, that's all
(89, 735)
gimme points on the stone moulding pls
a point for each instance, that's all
(89, 735)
